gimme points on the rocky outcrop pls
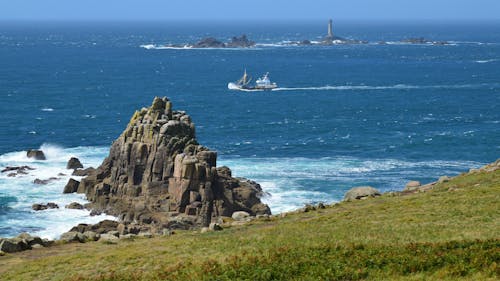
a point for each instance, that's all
(41, 207)
(74, 205)
(22, 242)
(421, 40)
(361, 192)
(14, 171)
(209, 42)
(44, 182)
(240, 42)
(412, 185)
(71, 186)
(74, 163)
(83, 172)
(36, 154)
(17, 169)
(157, 173)
(104, 226)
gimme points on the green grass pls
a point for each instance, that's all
(450, 233)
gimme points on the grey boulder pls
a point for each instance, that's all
(361, 192)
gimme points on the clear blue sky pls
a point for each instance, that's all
(414, 10)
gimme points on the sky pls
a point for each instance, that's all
(221, 10)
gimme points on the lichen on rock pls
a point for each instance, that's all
(157, 173)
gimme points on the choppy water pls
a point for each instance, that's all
(343, 116)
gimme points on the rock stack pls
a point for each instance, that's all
(157, 173)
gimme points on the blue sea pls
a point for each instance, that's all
(344, 115)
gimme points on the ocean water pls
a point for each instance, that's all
(344, 115)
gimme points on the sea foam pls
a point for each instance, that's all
(387, 87)
(19, 193)
(288, 183)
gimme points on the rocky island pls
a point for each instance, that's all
(211, 42)
(157, 174)
(329, 39)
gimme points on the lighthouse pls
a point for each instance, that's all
(330, 29)
(329, 37)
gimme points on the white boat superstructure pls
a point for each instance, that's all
(265, 83)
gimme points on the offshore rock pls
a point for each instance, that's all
(44, 182)
(74, 163)
(209, 42)
(41, 207)
(35, 153)
(157, 173)
(240, 42)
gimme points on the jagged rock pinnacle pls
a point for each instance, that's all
(156, 173)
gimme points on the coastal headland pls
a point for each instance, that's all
(171, 199)
(448, 231)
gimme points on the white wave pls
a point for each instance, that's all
(388, 87)
(293, 182)
(165, 47)
(48, 109)
(472, 43)
(487, 61)
(148, 46)
(189, 47)
(47, 223)
(290, 182)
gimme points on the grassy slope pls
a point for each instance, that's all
(441, 235)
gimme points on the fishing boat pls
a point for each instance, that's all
(243, 84)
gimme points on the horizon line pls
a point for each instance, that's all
(263, 21)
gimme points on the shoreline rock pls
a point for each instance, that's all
(74, 205)
(17, 170)
(41, 207)
(44, 182)
(361, 192)
(71, 186)
(87, 233)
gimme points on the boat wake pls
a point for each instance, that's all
(389, 87)
(487, 61)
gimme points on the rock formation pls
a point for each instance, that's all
(74, 163)
(240, 42)
(44, 182)
(41, 207)
(209, 42)
(15, 171)
(35, 153)
(157, 173)
(361, 192)
(71, 186)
